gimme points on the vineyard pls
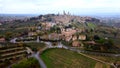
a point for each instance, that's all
(11, 54)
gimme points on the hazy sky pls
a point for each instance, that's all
(55, 6)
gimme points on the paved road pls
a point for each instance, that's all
(13, 40)
(36, 55)
(49, 45)
(60, 45)
(38, 40)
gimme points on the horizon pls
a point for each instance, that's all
(92, 15)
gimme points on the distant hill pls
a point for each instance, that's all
(11, 17)
(110, 21)
(23, 20)
(65, 18)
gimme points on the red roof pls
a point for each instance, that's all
(2, 39)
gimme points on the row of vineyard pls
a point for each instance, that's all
(11, 54)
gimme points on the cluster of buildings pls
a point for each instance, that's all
(66, 34)
(70, 34)
(48, 25)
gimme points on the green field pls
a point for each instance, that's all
(27, 63)
(61, 58)
(91, 25)
(107, 58)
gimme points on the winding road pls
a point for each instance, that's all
(49, 45)
(37, 56)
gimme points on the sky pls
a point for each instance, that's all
(58, 6)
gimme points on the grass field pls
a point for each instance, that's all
(100, 65)
(107, 58)
(61, 58)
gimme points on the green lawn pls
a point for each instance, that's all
(27, 63)
(61, 58)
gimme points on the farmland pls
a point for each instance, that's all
(62, 58)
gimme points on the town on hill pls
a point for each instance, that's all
(64, 40)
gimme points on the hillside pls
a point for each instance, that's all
(22, 23)
(64, 18)
(62, 58)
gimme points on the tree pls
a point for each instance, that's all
(58, 30)
(115, 34)
(109, 43)
(8, 35)
(40, 33)
(55, 29)
(105, 44)
(1, 36)
(101, 41)
(96, 37)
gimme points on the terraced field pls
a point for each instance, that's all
(61, 58)
(11, 54)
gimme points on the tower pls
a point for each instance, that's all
(64, 13)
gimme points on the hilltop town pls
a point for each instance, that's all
(65, 34)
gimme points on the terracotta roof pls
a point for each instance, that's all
(91, 42)
(76, 43)
(2, 39)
